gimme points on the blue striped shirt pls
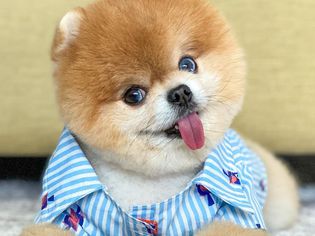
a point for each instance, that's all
(230, 187)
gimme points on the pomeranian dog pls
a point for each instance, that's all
(147, 90)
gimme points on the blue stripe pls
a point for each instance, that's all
(135, 210)
(200, 206)
(186, 213)
(117, 222)
(217, 202)
(194, 209)
(102, 212)
(86, 203)
(152, 212)
(95, 205)
(82, 233)
(109, 219)
(223, 214)
(160, 219)
(170, 217)
(143, 212)
(178, 200)
(250, 221)
(235, 215)
(242, 214)
(125, 225)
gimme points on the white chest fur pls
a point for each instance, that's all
(129, 188)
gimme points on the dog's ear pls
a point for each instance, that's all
(66, 32)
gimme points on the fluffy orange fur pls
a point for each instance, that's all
(122, 43)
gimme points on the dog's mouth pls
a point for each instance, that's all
(189, 128)
(173, 132)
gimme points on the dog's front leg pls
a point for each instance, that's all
(227, 229)
(45, 230)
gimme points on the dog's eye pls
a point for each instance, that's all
(134, 96)
(187, 64)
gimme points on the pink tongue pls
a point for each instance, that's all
(191, 130)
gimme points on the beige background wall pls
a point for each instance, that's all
(278, 37)
(29, 123)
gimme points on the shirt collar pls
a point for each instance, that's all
(220, 176)
(69, 177)
(222, 173)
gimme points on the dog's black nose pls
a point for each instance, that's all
(180, 95)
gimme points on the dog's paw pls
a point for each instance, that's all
(44, 230)
(227, 229)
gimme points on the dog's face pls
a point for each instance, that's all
(156, 83)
